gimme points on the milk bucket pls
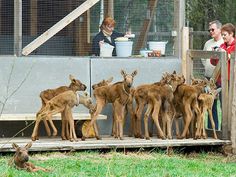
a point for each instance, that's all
(124, 48)
(153, 45)
(106, 50)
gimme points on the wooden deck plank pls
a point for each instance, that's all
(32, 116)
(56, 144)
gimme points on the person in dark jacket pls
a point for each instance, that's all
(107, 34)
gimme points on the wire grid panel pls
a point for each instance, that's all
(75, 39)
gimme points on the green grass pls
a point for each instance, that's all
(130, 164)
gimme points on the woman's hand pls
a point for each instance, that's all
(129, 35)
(101, 43)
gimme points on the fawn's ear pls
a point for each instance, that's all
(212, 80)
(27, 146)
(109, 80)
(71, 77)
(192, 79)
(123, 73)
(134, 73)
(14, 145)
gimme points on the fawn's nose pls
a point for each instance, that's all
(85, 87)
(26, 158)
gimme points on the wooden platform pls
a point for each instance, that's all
(56, 144)
(32, 116)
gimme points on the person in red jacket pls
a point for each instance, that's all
(228, 34)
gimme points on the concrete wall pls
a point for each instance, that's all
(149, 71)
(41, 73)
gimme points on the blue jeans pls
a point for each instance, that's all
(215, 113)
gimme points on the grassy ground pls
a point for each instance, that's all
(130, 164)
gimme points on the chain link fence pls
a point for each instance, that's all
(39, 15)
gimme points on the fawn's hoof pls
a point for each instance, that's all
(141, 136)
(33, 138)
(163, 137)
(98, 138)
(121, 138)
(180, 137)
(147, 138)
(63, 138)
(54, 134)
(83, 138)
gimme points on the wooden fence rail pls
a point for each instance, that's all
(226, 102)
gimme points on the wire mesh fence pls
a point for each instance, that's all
(75, 39)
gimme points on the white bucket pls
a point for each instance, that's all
(106, 50)
(153, 45)
(124, 48)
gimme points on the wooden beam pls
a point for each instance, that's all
(225, 97)
(233, 110)
(0, 17)
(82, 35)
(17, 27)
(58, 26)
(185, 48)
(152, 4)
(110, 9)
(56, 144)
(179, 23)
(32, 116)
(33, 17)
(88, 26)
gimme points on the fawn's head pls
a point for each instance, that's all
(21, 154)
(76, 85)
(128, 78)
(102, 83)
(173, 79)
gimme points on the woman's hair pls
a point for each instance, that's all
(229, 27)
(108, 21)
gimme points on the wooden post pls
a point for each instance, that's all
(179, 23)
(225, 96)
(109, 8)
(33, 17)
(82, 35)
(17, 27)
(152, 4)
(233, 107)
(185, 48)
(0, 17)
(58, 26)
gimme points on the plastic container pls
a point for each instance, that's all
(161, 46)
(144, 52)
(124, 48)
(106, 50)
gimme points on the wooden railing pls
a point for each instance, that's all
(227, 88)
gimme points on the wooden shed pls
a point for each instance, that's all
(25, 73)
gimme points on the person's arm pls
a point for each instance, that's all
(203, 60)
(214, 61)
(95, 46)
